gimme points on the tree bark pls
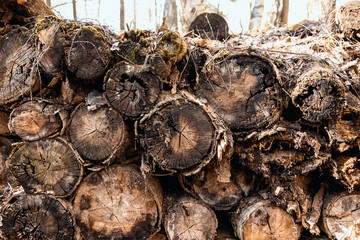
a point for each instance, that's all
(257, 8)
(37, 217)
(210, 26)
(118, 201)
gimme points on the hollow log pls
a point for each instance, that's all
(130, 90)
(243, 89)
(347, 18)
(188, 218)
(35, 120)
(36, 217)
(210, 26)
(47, 166)
(87, 52)
(340, 215)
(118, 202)
(205, 185)
(260, 220)
(98, 133)
(17, 72)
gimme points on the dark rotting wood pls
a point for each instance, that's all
(118, 202)
(130, 90)
(319, 94)
(17, 72)
(219, 195)
(97, 132)
(7, 180)
(347, 18)
(35, 120)
(346, 169)
(188, 218)
(258, 219)
(243, 89)
(210, 26)
(177, 135)
(36, 217)
(340, 215)
(171, 47)
(87, 53)
(4, 120)
(47, 166)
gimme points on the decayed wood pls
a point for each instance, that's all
(97, 132)
(87, 52)
(341, 216)
(7, 180)
(35, 120)
(188, 218)
(210, 26)
(47, 166)
(243, 89)
(346, 170)
(118, 203)
(4, 119)
(206, 186)
(347, 17)
(17, 72)
(259, 219)
(130, 90)
(36, 217)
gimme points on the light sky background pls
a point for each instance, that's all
(236, 13)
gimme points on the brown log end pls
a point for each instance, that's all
(210, 26)
(130, 90)
(97, 134)
(190, 219)
(341, 216)
(319, 95)
(172, 47)
(243, 89)
(37, 217)
(17, 72)
(261, 220)
(118, 201)
(35, 120)
(88, 53)
(347, 17)
(177, 136)
(47, 166)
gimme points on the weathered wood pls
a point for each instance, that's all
(210, 26)
(347, 17)
(118, 203)
(259, 219)
(340, 215)
(47, 166)
(87, 52)
(243, 89)
(206, 186)
(130, 90)
(37, 217)
(17, 72)
(35, 120)
(7, 180)
(4, 119)
(98, 133)
(188, 218)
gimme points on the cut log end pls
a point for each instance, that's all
(210, 26)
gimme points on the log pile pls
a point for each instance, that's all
(154, 135)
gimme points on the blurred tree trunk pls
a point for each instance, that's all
(134, 14)
(122, 15)
(284, 17)
(74, 9)
(272, 14)
(48, 2)
(319, 9)
(256, 9)
(170, 12)
(189, 10)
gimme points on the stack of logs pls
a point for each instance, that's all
(154, 135)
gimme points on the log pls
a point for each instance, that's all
(97, 132)
(4, 119)
(118, 202)
(340, 215)
(188, 218)
(47, 166)
(219, 195)
(347, 18)
(243, 89)
(87, 52)
(17, 73)
(210, 26)
(35, 120)
(36, 217)
(7, 180)
(130, 90)
(260, 220)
